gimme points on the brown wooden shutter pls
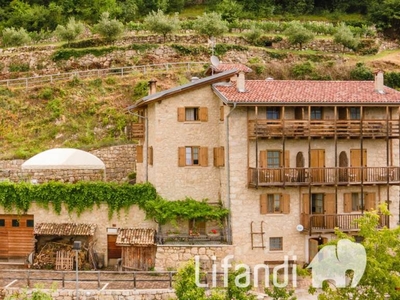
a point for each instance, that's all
(203, 114)
(263, 159)
(219, 154)
(203, 157)
(305, 221)
(369, 201)
(150, 155)
(139, 153)
(263, 204)
(181, 157)
(330, 204)
(181, 114)
(221, 113)
(348, 205)
(285, 198)
(287, 159)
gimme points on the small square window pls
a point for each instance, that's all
(191, 114)
(15, 223)
(192, 156)
(273, 113)
(29, 223)
(316, 113)
(2, 222)
(275, 244)
(274, 203)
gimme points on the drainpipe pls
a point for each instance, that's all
(146, 142)
(228, 177)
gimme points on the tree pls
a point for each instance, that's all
(210, 24)
(230, 10)
(160, 23)
(381, 277)
(386, 17)
(298, 34)
(345, 37)
(71, 31)
(110, 30)
(185, 283)
(13, 37)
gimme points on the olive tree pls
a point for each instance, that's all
(14, 37)
(298, 34)
(109, 29)
(70, 31)
(345, 37)
(210, 24)
(160, 23)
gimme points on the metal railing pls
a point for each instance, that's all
(29, 82)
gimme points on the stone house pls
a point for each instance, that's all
(291, 159)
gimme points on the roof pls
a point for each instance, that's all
(63, 158)
(64, 229)
(191, 85)
(222, 67)
(136, 237)
(302, 92)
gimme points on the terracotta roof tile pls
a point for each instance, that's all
(307, 91)
(135, 237)
(64, 229)
(227, 66)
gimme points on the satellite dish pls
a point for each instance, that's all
(299, 227)
(214, 61)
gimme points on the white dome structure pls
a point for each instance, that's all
(63, 158)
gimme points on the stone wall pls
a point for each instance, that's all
(156, 294)
(120, 161)
(171, 257)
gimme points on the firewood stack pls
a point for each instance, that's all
(46, 258)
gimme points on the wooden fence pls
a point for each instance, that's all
(29, 82)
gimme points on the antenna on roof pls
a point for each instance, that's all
(215, 62)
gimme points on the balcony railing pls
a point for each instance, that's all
(327, 223)
(135, 131)
(323, 128)
(323, 176)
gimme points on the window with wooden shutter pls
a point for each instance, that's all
(221, 113)
(347, 199)
(370, 201)
(181, 114)
(219, 156)
(181, 157)
(139, 153)
(203, 114)
(203, 157)
(150, 155)
(263, 159)
(263, 204)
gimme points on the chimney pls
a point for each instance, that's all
(379, 82)
(240, 84)
(152, 87)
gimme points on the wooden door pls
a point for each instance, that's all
(113, 250)
(330, 211)
(356, 162)
(343, 166)
(16, 236)
(317, 164)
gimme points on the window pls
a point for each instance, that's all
(192, 114)
(15, 223)
(356, 203)
(2, 222)
(317, 201)
(29, 223)
(274, 204)
(273, 113)
(316, 113)
(197, 227)
(192, 156)
(273, 159)
(355, 113)
(275, 244)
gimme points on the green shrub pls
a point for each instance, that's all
(109, 29)
(302, 70)
(70, 31)
(392, 79)
(18, 67)
(13, 37)
(361, 72)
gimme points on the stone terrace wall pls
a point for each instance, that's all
(155, 294)
(173, 256)
(119, 161)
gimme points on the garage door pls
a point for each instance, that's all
(16, 235)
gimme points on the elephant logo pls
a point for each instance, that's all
(332, 263)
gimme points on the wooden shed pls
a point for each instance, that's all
(138, 248)
(54, 243)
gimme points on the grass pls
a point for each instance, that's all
(193, 12)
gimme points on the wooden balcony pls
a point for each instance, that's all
(262, 128)
(324, 223)
(135, 131)
(323, 176)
